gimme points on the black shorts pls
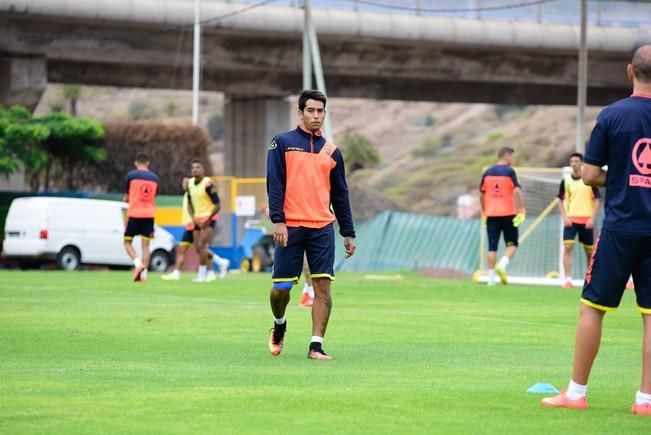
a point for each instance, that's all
(501, 225)
(317, 244)
(187, 238)
(615, 257)
(586, 235)
(139, 227)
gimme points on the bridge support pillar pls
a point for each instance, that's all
(250, 124)
(23, 80)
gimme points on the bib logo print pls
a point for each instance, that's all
(641, 157)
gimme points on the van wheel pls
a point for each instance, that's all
(69, 258)
(160, 261)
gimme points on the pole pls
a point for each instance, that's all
(316, 63)
(196, 63)
(582, 90)
(307, 58)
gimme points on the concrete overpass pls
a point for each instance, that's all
(255, 57)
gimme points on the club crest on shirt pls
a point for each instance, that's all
(273, 145)
(642, 156)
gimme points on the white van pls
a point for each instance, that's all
(73, 231)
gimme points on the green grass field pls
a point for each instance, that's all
(92, 352)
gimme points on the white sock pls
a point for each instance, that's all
(280, 321)
(641, 398)
(137, 262)
(491, 275)
(316, 339)
(176, 272)
(568, 279)
(202, 271)
(504, 261)
(308, 290)
(143, 274)
(576, 391)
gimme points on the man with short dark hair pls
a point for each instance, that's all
(502, 210)
(203, 205)
(621, 139)
(305, 178)
(187, 240)
(141, 187)
(578, 208)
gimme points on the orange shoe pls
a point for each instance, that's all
(137, 272)
(568, 284)
(562, 401)
(641, 409)
(306, 301)
(276, 340)
(318, 355)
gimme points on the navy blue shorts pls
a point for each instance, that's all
(615, 257)
(317, 244)
(501, 225)
(139, 227)
(586, 236)
(187, 238)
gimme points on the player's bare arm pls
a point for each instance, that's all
(594, 175)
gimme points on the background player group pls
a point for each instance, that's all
(503, 212)
(200, 214)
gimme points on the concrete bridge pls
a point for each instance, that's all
(255, 58)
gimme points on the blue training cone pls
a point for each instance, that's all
(542, 388)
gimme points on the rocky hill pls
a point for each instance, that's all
(431, 152)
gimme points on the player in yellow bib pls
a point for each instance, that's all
(187, 240)
(578, 208)
(203, 206)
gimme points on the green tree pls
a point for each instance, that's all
(20, 141)
(71, 142)
(40, 144)
(359, 152)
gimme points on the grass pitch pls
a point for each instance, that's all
(92, 352)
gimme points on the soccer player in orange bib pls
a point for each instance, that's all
(142, 185)
(502, 209)
(305, 178)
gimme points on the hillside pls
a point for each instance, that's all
(431, 152)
